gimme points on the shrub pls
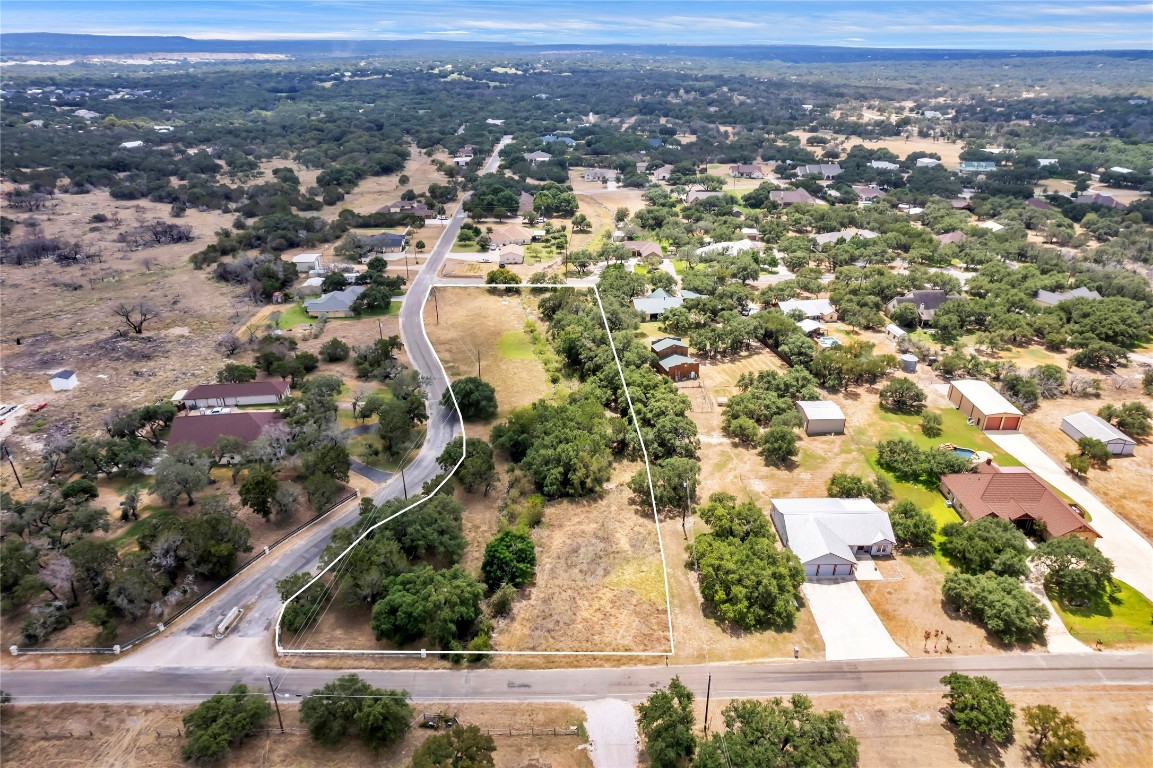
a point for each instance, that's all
(988, 544)
(931, 424)
(1009, 611)
(903, 396)
(510, 558)
(222, 722)
(913, 526)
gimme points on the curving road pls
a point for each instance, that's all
(254, 590)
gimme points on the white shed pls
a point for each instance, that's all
(1082, 424)
(306, 262)
(63, 380)
(895, 332)
(821, 417)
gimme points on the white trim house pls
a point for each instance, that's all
(828, 534)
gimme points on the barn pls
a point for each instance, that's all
(821, 417)
(828, 534)
(984, 406)
(1082, 424)
(679, 367)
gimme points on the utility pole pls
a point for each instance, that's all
(685, 512)
(7, 454)
(272, 688)
(708, 692)
(403, 484)
(436, 306)
(380, 329)
(478, 363)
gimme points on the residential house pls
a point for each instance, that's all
(63, 381)
(992, 226)
(792, 197)
(812, 327)
(730, 247)
(264, 392)
(599, 174)
(1082, 424)
(511, 254)
(204, 430)
(662, 173)
(824, 170)
(306, 262)
(828, 535)
(526, 204)
(550, 138)
(927, 162)
(1017, 495)
(310, 287)
(979, 166)
(408, 208)
(932, 114)
(961, 203)
(751, 233)
(821, 417)
(1052, 298)
(1119, 169)
(884, 165)
(513, 234)
(131, 144)
(643, 248)
(950, 237)
(537, 157)
(868, 193)
(1044, 161)
(1096, 198)
(984, 406)
(828, 238)
(334, 304)
(746, 171)
(1036, 202)
(384, 242)
(693, 195)
(927, 302)
(814, 309)
(655, 304)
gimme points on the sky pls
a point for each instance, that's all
(990, 24)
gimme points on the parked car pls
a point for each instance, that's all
(38, 407)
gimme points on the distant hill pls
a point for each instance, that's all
(53, 45)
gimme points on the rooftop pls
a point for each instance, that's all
(1097, 428)
(206, 430)
(820, 409)
(816, 527)
(984, 397)
(1014, 496)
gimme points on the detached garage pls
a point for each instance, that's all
(821, 417)
(1078, 425)
(984, 405)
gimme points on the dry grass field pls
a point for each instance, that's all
(950, 152)
(907, 730)
(126, 736)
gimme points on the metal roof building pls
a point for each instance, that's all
(827, 534)
(1082, 424)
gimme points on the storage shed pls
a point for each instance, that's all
(821, 417)
(1082, 424)
(63, 380)
(679, 367)
(909, 363)
(984, 405)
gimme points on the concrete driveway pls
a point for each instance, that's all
(848, 624)
(1132, 554)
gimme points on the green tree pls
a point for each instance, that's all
(1008, 610)
(1074, 570)
(461, 747)
(1094, 450)
(432, 530)
(905, 315)
(510, 558)
(258, 490)
(778, 734)
(903, 396)
(222, 722)
(381, 717)
(987, 544)
(675, 481)
(1078, 463)
(305, 609)
(183, 471)
(1134, 419)
(395, 424)
(779, 445)
(977, 705)
(476, 398)
(750, 583)
(501, 276)
(931, 424)
(437, 604)
(1055, 739)
(233, 373)
(477, 470)
(913, 526)
(666, 722)
(334, 350)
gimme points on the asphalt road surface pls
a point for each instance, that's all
(255, 589)
(119, 683)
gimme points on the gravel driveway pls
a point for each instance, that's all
(612, 729)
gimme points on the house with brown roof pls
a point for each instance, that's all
(950, 237)
(408, 208)
(266, 392)
(642, 248)
(1017, 495)
(694, 195)
(513, 234)
(205, 430)
(746, 171)
(792, 197)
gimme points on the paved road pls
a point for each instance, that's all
(255, 589)
(145, 684)
(1131, 553)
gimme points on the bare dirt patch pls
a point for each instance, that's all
(127, 736)
(950, 152)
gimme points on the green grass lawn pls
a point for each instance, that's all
(955, 430)
(459, 247)
(393, 309)
(515, 345)
(1127, 619)
(292, 317)
(680, 266)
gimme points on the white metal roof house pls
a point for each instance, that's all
(1082, 424)
(828, 534)
(63, 380)
(821, 417)
(306, 262)
(813, 309)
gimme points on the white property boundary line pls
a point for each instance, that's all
(282, 651)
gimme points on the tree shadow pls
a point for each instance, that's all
(975, 750)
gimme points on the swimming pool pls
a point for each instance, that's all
(968, 453)
(828, 341)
